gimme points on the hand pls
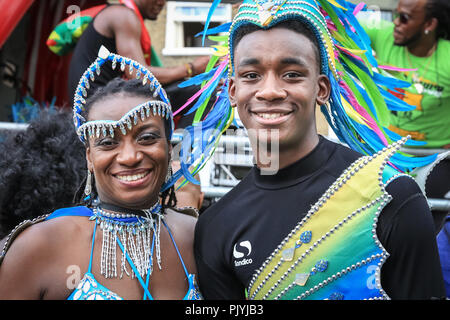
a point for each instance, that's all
(190, 195)
(199, 64)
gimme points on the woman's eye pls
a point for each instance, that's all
(107, 142)
(148, 137)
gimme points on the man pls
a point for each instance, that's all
(299, 233)
(119, 28)
(419, 39)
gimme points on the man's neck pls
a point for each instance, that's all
(286, 156)
(424, 48)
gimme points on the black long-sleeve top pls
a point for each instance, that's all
(235, 236)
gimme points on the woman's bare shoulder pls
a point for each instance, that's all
(31, 254)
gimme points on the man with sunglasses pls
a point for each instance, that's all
(418, 40)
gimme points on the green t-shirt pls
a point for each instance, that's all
(430, 89)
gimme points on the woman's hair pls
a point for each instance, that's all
(40, 168)
(130, 88)
(439, 9)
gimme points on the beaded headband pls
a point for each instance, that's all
(361, 96)
(266, 14)
(97, 128)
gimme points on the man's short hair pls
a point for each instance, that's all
(294, 25)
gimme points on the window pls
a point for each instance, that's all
(184, 21)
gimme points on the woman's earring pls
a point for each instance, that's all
(169, 171)
(427, 31)
(88, 187)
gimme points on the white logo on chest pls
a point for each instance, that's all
(245, 249)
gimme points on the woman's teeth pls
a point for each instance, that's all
(132, 177)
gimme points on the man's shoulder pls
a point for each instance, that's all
(341, 157)
(443, 46)
(227, 205)
(402, 187)
(117, 15)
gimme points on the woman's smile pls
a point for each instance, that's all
(133, 179)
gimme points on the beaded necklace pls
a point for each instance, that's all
(139, 235)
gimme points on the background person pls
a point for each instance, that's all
(40, 169)
(418, 39)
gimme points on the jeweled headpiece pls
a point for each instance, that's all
(359, 104)
(99, 128)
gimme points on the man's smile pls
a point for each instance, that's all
(272, 116)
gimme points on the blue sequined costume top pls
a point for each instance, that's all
(90, 289)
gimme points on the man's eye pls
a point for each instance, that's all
(250, 75)
(292, 75)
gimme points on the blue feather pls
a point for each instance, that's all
(198, 79)
(208, 18)
(222, 28)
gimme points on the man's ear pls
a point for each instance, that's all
(232, 92)
(431, 24)
(324, 91)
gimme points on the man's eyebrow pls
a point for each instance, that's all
(248, 62)
(285, 61)
(293, 60)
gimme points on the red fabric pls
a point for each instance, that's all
(92, 12)
(45, 72)
(10, 14)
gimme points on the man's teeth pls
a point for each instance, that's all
(132, 177)
(269, 115)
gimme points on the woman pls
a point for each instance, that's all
(121, 243)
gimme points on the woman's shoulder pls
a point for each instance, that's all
(36, 254)
(42, 234)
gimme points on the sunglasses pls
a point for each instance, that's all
(403, 17)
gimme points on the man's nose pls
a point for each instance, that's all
(271, 88)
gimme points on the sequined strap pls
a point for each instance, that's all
(6, 242)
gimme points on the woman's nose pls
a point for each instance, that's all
(129, 155)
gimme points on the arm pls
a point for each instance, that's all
(406, 231)
(375, 29)
(126, 29)
(20, 271)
